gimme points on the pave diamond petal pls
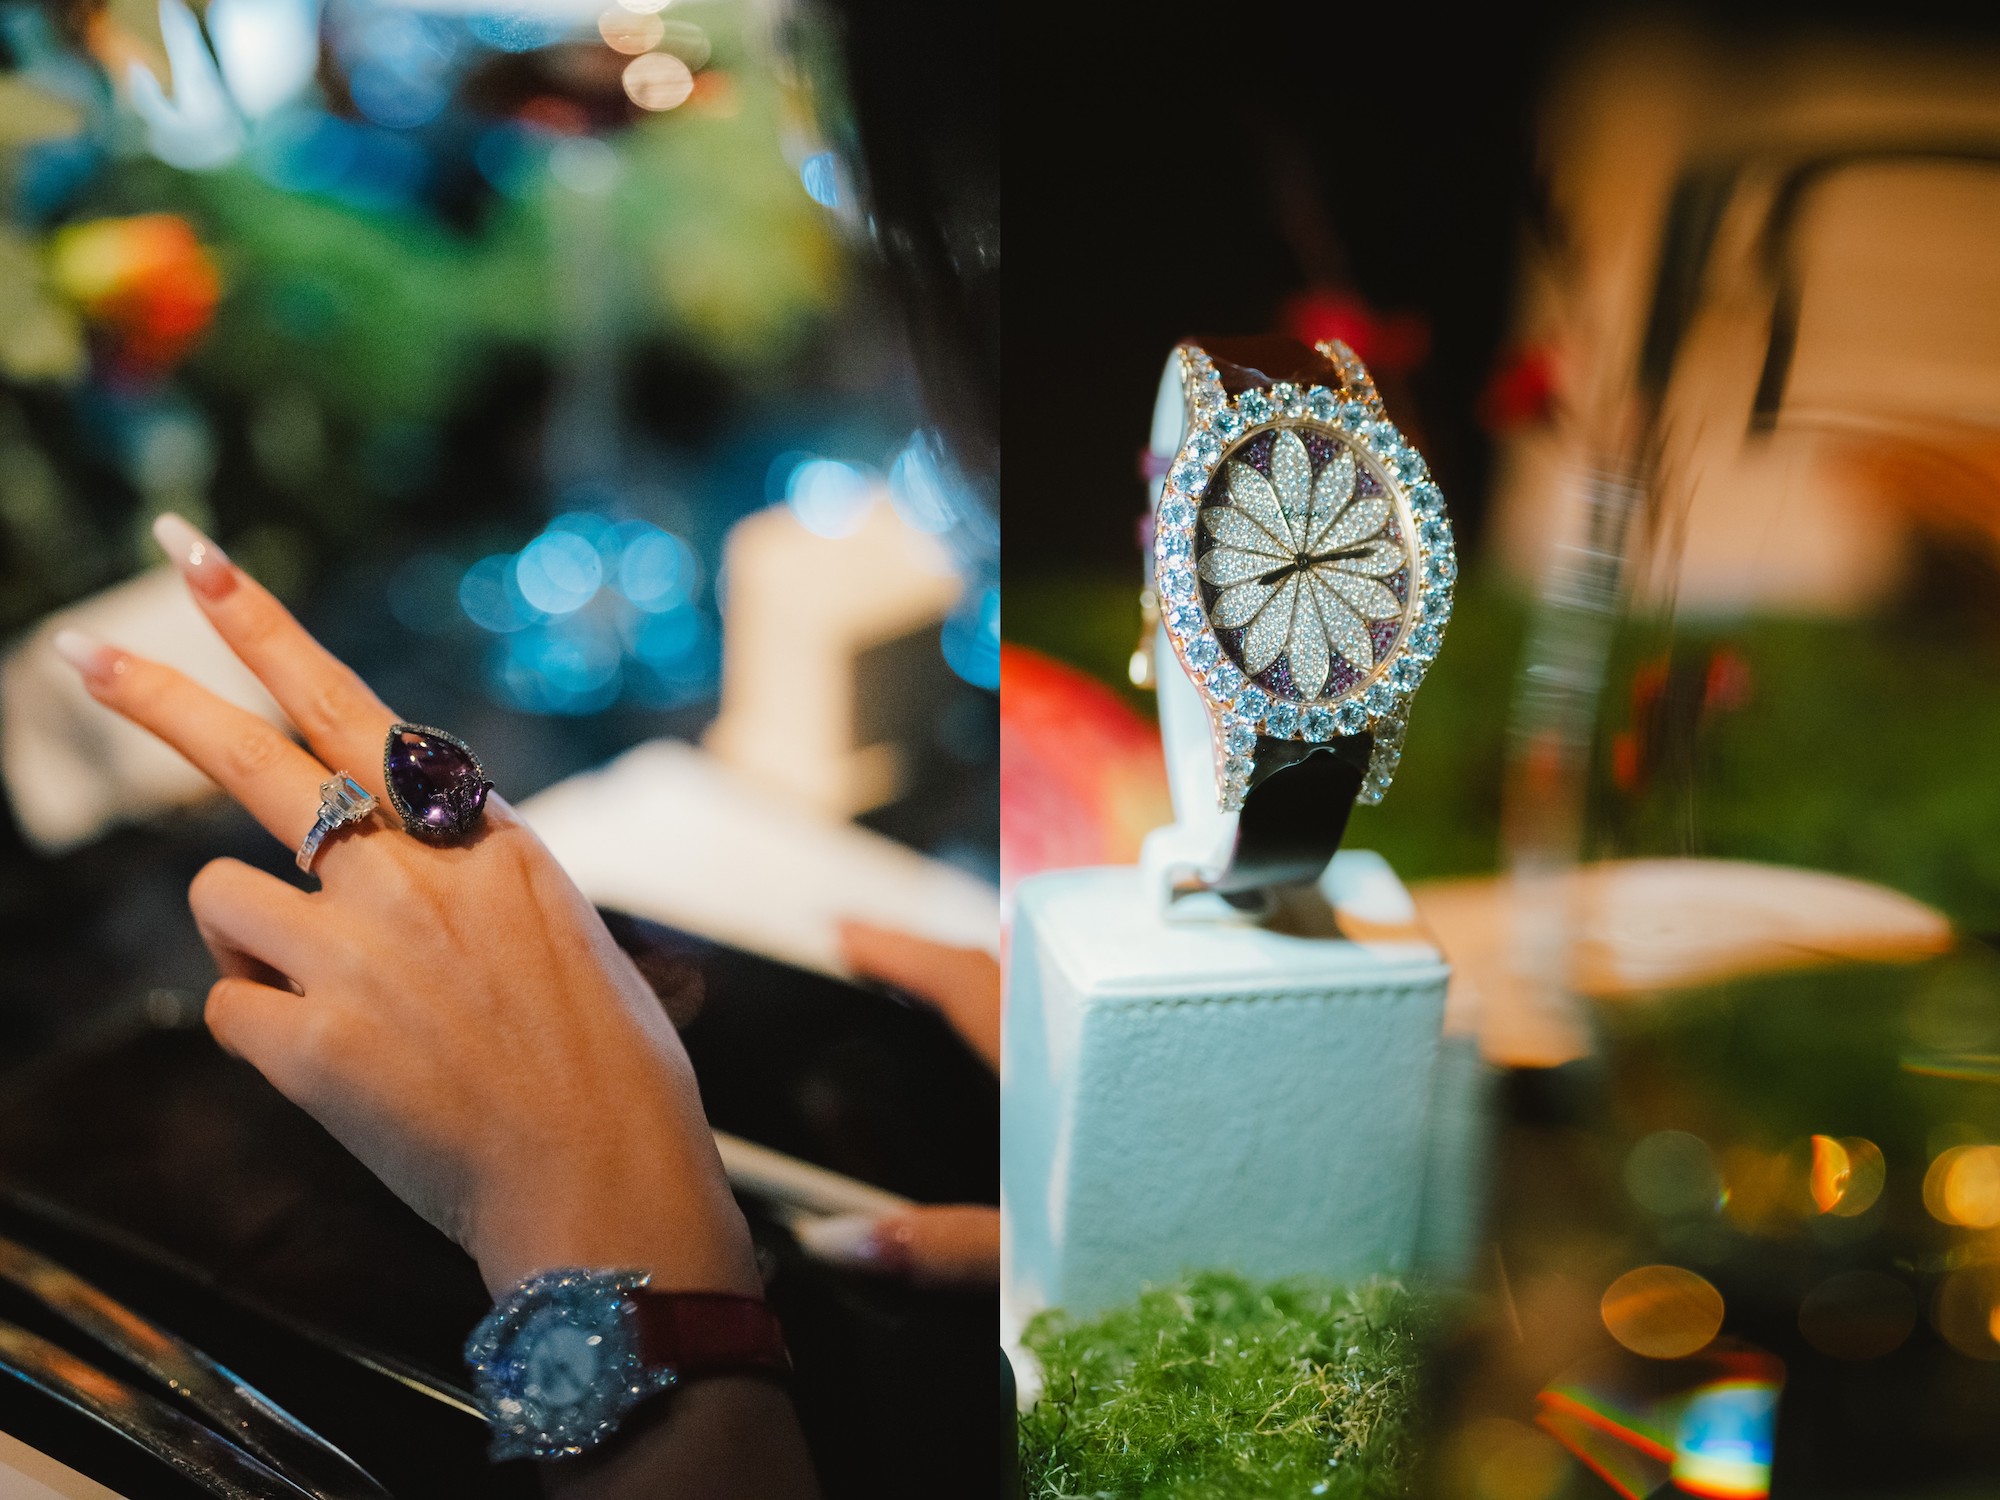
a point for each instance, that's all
(1232, 528)
(1379, 561)
(1359, 521)
(1252, 494)
(1267, 634)
(1291, 478)
(1343, 626)
(1333, 490)
(1364, 596)
(1310, 657)
(1238, 606)
(1226, 565)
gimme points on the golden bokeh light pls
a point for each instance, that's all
(1966, 1311)
(658, 81)
(1858, 1315)
(1662, 1312)
(1847, 1175)
(623, 31)
(1963, 1187)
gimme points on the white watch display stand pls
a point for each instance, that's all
(1185, 1087)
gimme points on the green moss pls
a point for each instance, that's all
(1215, 1387)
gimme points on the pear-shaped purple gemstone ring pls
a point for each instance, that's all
(434, 781)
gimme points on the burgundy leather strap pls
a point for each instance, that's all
(1244, 364)
(710, 1333)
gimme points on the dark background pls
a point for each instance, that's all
(1187, 173)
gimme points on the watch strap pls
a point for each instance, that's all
(1293, 816)
(1252, 363)
(709, 1333)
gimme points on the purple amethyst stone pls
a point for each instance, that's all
(434, 781)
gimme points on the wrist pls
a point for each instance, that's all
(681, 1228)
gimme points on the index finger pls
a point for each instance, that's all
(339, 715)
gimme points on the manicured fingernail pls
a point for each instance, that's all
(857, 1240)
(90, 656)
(203, 564)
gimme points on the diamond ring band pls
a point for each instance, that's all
(342, 800)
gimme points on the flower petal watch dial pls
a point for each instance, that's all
(1304, 565)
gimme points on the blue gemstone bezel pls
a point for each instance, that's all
(521, 1423)
(1217, 425)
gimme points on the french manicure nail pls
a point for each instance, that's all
(203, 564)
(845, 1240)
(90, 656)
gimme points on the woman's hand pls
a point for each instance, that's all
(953, 1245)
(457, 1016)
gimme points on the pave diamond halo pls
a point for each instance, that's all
(1323, 562)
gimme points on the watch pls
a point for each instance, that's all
(1303, 568)
(564, 1355)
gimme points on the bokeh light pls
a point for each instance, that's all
(819, 174)
(686, 41)
(829, 498)
(658, 81)
(1847, 1175)
(1966, 1311)
(656, 570)
(1662, 1312)
(590, 611)
(1963, 1186)
(1858, 1314)
(491, 596)
(630, 32)
(268, 50)
(971, 638)
(1723, 1441)
(918, 489)
(518, 31)
(559, 572)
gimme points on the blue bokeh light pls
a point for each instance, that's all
(830, 498)
(971, 638)
(517, 31)
(559, 572)
(820, 175)
(590, 611)
(491, 597)
(918, 490)
(656, 570)
(568, 666)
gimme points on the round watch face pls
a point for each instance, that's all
(1304, 567)
(1305, 562)
(562, 1362)
(557, 1363)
